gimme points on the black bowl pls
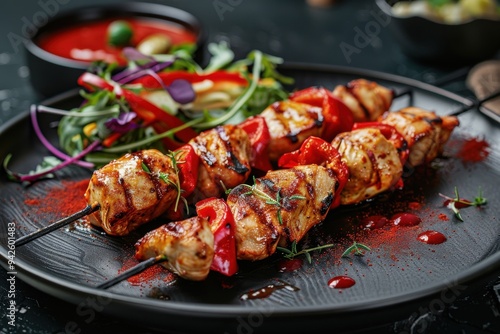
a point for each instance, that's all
(440, 43)
(51, 74)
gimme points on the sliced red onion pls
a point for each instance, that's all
(123, 123)
(181, 91)
(48, 145)
(72, 160)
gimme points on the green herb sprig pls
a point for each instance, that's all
(165, 177)
(455, 202)
(293, 252)
(277, 201)
(357, 249)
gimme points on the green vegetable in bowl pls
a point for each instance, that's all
(119, 33)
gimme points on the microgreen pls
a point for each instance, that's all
(293, 252)
(456, 203)
(278, 201)
(357, 249)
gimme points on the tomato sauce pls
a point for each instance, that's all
(89, 41)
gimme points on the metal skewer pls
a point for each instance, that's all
(60, 223)
(475, 104)
(133, 271)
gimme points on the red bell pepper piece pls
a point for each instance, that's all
(337, 116)
(160, 120)
(221, 221)
(150, 113)
(192, 77)
(92, 81)
(188, 163)
(317, 151)
(391, 134)
(258, 132)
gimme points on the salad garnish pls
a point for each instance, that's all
(159, 101)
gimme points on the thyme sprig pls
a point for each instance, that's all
(278, 201)
(457, 202)
(357, 248)
(165, 177)
(293, 252)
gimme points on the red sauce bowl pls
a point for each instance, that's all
(53, 69)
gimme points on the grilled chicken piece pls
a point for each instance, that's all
(282, 206)
(425, 132)
(225, 154)
(290, 123)
(131, 191)
(188, 246)
(366, 99)
(373, 162)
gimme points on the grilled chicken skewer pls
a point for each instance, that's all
(130, 196)
(303, 194)
(118, 221)
(302, 197)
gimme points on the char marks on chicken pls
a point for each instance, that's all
(188, 246)
(425, 132)
(131, 191)
(225, 154)
(302, 196)
(367, 99)
(290, 123)
(373, 162)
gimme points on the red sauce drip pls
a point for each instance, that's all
(91, 39)
(374, 222)
(473, 150)
(432, 237)
(267, 291)
(405, 219)
(288, 265)
(341, 282)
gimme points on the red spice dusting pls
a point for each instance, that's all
(61, 200)
(414, 205)
(473, 150)
(146, 275)
(443, 217)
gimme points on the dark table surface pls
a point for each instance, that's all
(290, 29)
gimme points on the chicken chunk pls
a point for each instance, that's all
(281, 206)
(225, 154)
(373, 162)
(131, 191)
(366, 99)
(290, 123)
(188, 246)
(425, 132)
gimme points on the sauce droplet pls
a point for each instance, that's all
(288, 265)
(405, 219)
(374, 222)
(341, 282)
(432, 237)
(268, 290)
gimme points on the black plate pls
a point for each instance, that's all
(392, 277)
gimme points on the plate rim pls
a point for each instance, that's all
(75, 292)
